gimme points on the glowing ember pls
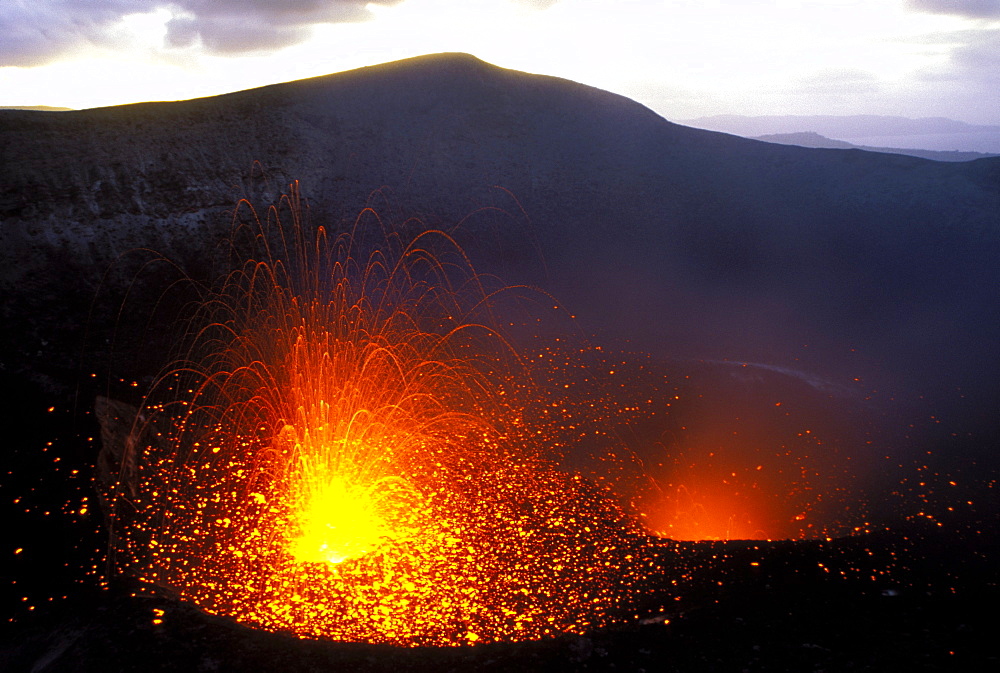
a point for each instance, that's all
(341, 452)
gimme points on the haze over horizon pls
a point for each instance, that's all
(911, 58)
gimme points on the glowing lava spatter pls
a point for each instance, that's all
(340, 452)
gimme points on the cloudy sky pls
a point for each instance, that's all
(683, 58)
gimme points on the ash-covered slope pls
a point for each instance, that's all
(690, 242)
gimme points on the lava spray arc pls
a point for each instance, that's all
(344, 450)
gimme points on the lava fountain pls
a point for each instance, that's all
(341, 451)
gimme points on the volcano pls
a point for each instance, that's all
(803, 341)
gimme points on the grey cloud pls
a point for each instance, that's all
(36, 33)
(969, 80)
(39, 32)
(976, 56)
(978, 63)
(981, 52)
(233, 35)
(976, 9)
(242, 26)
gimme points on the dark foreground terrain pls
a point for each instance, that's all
(889, 602)
(918, 596)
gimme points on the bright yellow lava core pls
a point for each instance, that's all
(340, 522)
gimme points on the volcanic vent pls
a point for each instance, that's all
(344, 448)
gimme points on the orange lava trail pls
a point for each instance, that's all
(341, 452)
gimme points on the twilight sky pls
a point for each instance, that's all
(683, 58)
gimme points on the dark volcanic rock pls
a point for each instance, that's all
(905, 601)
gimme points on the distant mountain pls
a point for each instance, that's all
(815, 140)
(690, 243)
(37, 108)
(807, 139)
(930, 133)
(835, 126)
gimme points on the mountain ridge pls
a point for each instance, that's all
(691, 243)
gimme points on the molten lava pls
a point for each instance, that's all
(341, 451)
(340, 521)
(706, 513)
